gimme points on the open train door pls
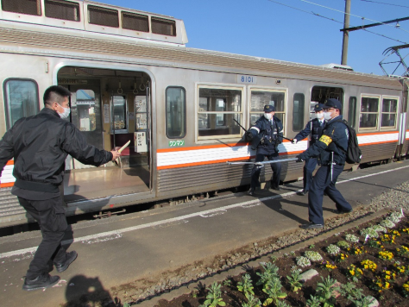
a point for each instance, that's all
(110, 107)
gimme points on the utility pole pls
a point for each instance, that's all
(346, 33)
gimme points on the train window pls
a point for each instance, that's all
(21, 100)
(83, 110)
(175, 112)
(218, 108)
(298, 111)
(135, 22)
(29, 7)
(369, 112)
(261, 98)
(163, 26)
(389, 113)
(352, 111)
(119, 113)
(62, 9)
(102, 16)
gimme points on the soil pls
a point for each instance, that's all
(391, 297)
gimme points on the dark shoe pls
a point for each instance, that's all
(340, 211)
(277, 188)
(302, 193)
(40, 282)
(312, 226)
(61, 267)
(251, 192)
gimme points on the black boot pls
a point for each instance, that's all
(61, 267)
(43, 281)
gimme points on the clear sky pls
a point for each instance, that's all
(265, 28)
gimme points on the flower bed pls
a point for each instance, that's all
(371, 261)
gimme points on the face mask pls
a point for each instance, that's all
(268, 116)
(319, 115)
(66, 112)
(327, 115)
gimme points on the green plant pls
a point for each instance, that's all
(273, 290)
(303, 261)
(273, 258)
(214, 297)
(282, 304)
(313, 256)
(227, 283)
(325, 290)
(311, 246)
(246, 286)
(352, 238)
(343, 244)
(270, 272)
(295, 281)
(252, 302)
(313, 301)
(333, 250)
(387, 224)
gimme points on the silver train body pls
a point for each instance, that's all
(132, 78)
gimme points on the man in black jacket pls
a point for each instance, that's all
(39, 145)
(314, 128)
(266, 135)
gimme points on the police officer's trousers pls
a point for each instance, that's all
(50, 215)
(255, 172)
(322, 182)
(309, 168)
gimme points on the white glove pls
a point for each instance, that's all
(294, 141)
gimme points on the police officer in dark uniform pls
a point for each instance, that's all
(265, 137)
(39, 145)
(315, 128)
(331, 149)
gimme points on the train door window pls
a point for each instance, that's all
(29, 7)
(65, 10)
(260, 98)
(217, 110)
(102, 16)
(298, 111)
(321, 94)
(175, 112)
(389, 113)
(352, 111)
(21, 100)
(84, 101)
(369, 112)
(119, 119)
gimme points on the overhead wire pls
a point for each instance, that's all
(334, 20)
(353, 15)
(378, 2)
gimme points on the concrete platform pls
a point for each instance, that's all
(122, 249)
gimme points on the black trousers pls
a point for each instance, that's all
(255, 172)
(321, 183)
(50, 215)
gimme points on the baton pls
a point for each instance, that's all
(240, 125)
(263, 162)
(118, 160)
(246, 130)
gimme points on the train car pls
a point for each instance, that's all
(133, 78)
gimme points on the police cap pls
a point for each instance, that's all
(269, 108)
(318, 107)
(333, 103)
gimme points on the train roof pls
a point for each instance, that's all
(93, 17)
(87, 43)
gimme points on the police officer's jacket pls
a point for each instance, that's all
(334, 139)
(40, 144)
(267, 136)
(313, 127)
